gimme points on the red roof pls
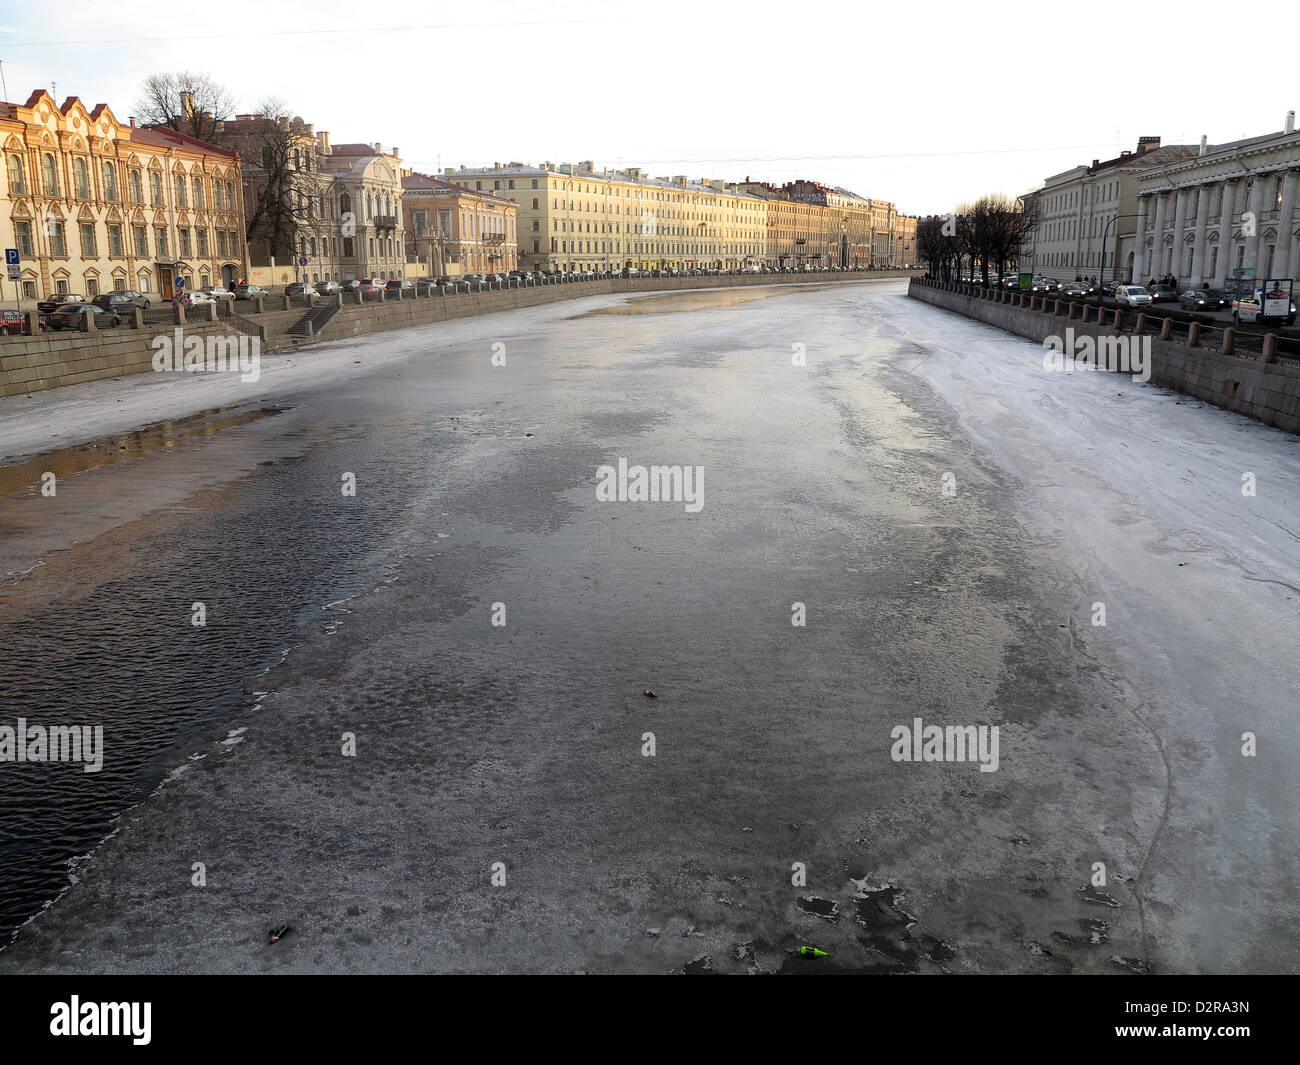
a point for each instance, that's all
(166, 137)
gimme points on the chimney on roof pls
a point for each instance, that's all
(447, 171)
(187, 103)
(310, 129)
(1148, 144)
(1094, 163)
(496, 166)
(1203, 146)
(1290, 121)
(132, 120)
(323, 139)
(396, 151)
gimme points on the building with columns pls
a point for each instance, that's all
(1087, 215)
(1224, 215)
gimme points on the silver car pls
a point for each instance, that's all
(1132, 296)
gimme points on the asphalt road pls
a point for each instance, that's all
(932, 499)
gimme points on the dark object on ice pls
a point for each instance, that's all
(651, 694)
(278, 934)
(813, 952)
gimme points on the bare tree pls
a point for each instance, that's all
(280, 161)
(190, 103)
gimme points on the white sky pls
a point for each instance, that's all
(924, 104)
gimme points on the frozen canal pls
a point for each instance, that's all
(352, 747)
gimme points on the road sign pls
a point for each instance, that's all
(11, 256)
(15, 272)
(180, 282)
(302, 261)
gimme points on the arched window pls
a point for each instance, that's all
(198, 192)
(110, 182)
(313, 247)
(155, 188)
(218, 196)
(81, 178)
(16, 183)
(180, 189)
(268, 158)
(345, 202)
(230, 196)
(50, 174)
(370, 207)
(137, 187)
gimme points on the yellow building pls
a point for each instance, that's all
(93, 205)
(575, 217)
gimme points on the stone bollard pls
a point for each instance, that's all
(88, 322)
(1141, 324)
(34, 323)
(137, 318)
(338, 297)
(259, 304)
(1226, 344)
(212, 311)
(288, 303)
(180, 314)
(1193, 334)
(1268, 352)
(1114, 322)
(1166, 328)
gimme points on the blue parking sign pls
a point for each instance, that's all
(11, 257)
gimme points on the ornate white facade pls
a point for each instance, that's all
(1230, 208)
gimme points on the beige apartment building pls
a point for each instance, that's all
(452, 230)
(906, 255)
(575, 217)
(343, 213)
(92, 204)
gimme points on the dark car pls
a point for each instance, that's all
(370, 289)
(351, 285)
(1203, 299)
(299, 288)
(13, 323)
(119, 303)
(50, 302)
(68, 316)
(1162, 293)
(399, 286)
(138, 298)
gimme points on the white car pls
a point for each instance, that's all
(191, 298)
(1132, 296)
(1250, 309)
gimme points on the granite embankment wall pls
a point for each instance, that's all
(51, 360)
(1208, 363)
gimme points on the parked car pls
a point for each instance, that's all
(138, 298)
(399, 286)
(194, 298)
(13, 323)
(1075, 289)
(370, 289)
(118, 303)
(1162, 293)
(300, 288)
(1251, 309)
(49, 303)
(249, 292)
(219, 292)
(350, 285)
(1132, 296)
(68, 316)
(327, 288)
(1203, 299)
(1046, 284)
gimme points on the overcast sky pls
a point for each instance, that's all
(924, 104)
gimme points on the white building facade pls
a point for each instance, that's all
(1226, 213)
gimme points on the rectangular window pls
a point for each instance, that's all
(160, 241)
(185, 244)
(23, 231)
(58, 244)
(203, 241)
(141, 241)
(61, 286)
(119, 284)
(115, 240)
(221, 243)
(88, 250)
(29, 290)
(92, 286)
